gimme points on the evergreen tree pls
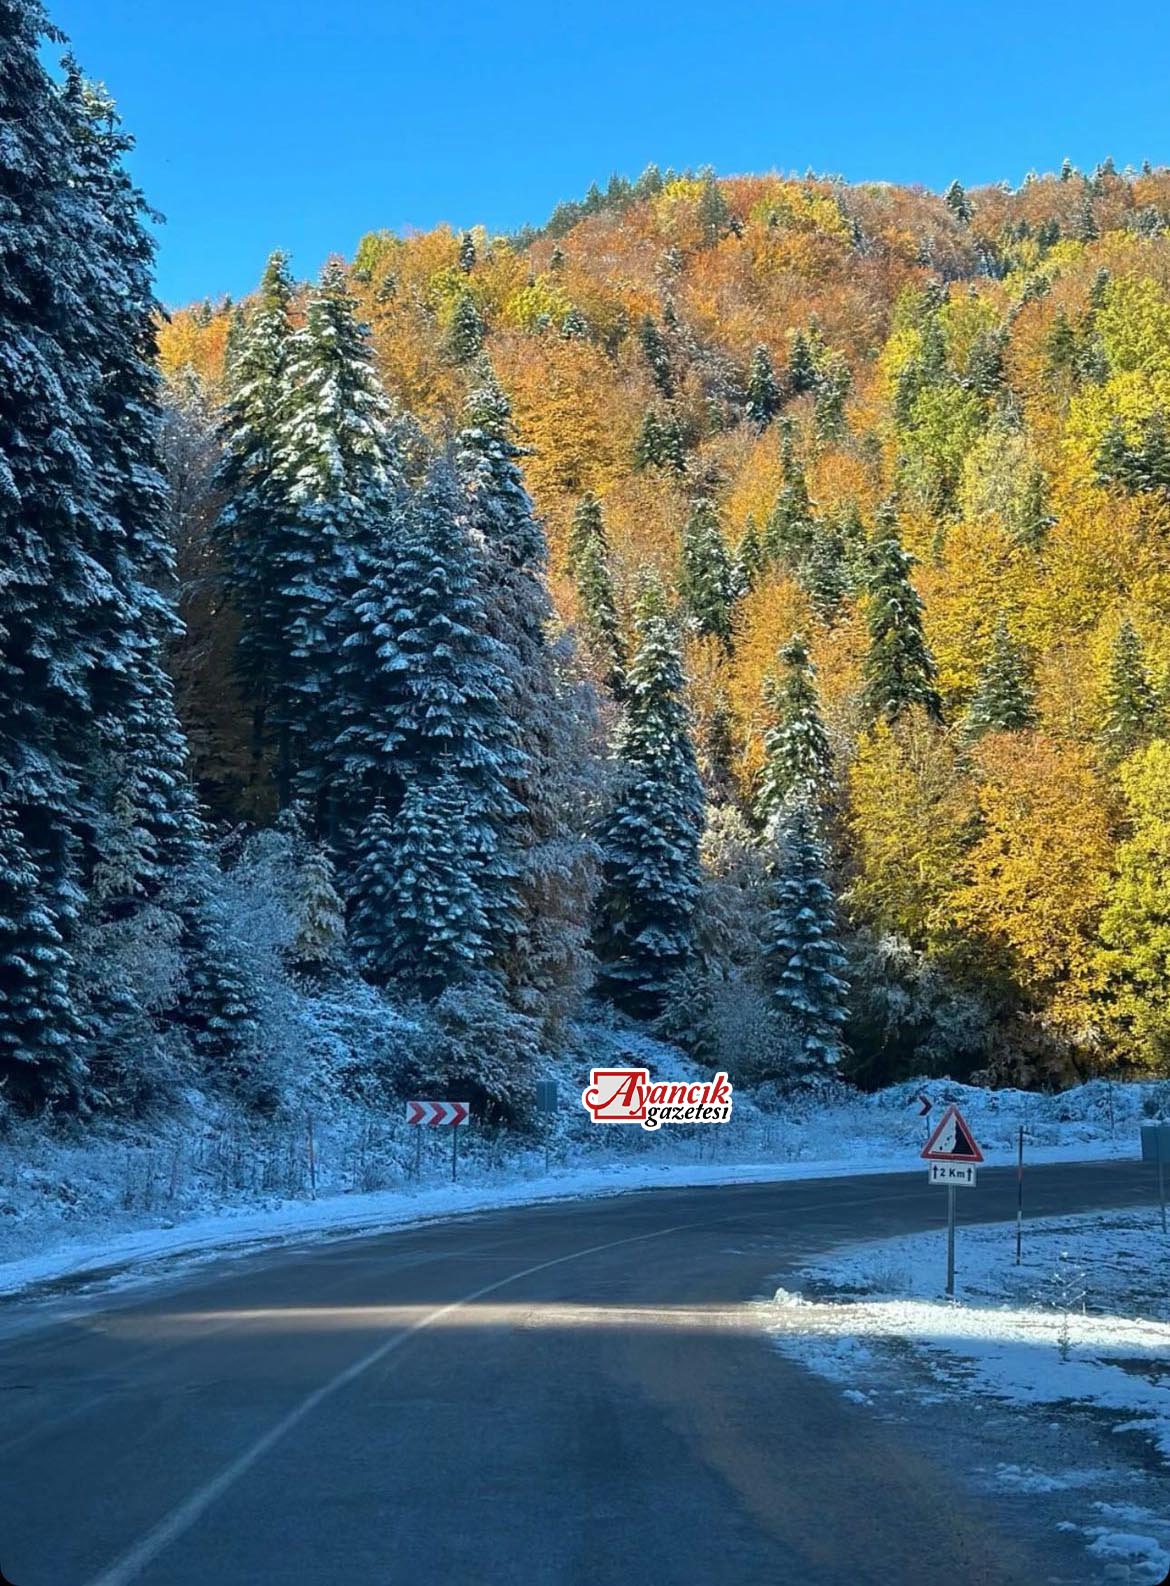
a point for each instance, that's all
(587, 523)
(39, 1024)
(750, 560)
(789, 531)
(465, 338)
(899, 668)
(824, 575)
(763, 393)
(1005, 695)
(714, 215)
(1084, 223)
(422, 923)
(339, 470)
(428, 688)
(370, 891)
(650, 837)
(804, 962)
(660, 443)
(601, 628)
(1131, 705)
(802, 367)
(255, 510)
(657, 355)
(85, 706)
(320, 947)
(832, 392)
(798, 761)
(222, 1005)
(1034, 519)
(467, 253)
(705, 580)
(542, 967)
(956, 200)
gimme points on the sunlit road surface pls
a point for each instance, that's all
(572, 1395)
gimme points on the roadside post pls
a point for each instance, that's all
(546, 1103)
(1020, 1199)
(438, 1114)
(953, 1155)
(1156, 1149)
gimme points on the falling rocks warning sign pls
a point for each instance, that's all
(952, 1141)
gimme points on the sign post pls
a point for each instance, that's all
(953, 1155)
(1156, 1149)
(547, 1102)
(434, 1114)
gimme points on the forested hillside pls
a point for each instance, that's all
(894, 468)
(739, 607)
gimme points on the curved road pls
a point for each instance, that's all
(569, 1395)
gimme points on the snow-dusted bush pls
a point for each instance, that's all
(485, 1053)
(748, 1038)
(907, 1017)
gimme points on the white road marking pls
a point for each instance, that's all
(180, 1520)
(130, 1566)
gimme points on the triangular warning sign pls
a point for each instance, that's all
(952, 1141)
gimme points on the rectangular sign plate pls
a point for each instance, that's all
(960, 1175)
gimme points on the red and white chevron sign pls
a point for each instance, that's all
(437, 1112)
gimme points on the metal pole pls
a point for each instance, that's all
(417, 1152)
(1161, 1176)
(454, 1151)
(1020, 1200)
(950, 1239)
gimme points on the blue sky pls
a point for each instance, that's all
(304, 123)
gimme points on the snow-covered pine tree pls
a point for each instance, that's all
(465, 336)
(600, 629)
(763, 391)
(899, 669)
(338, 470)
(1005, 694)
(1131, 706)
(750, 560)
(789, 529)
(319, 950)
(546, 965)
(956, 200)
(255, 510)
(803, 960)
(824, 575)
(141, 839)
(53, 596)
(588, 523)
(427, 687)
(222, 1007)
(798, 761)
(650, 837)
(706, 586)
(85, 705)
(435, 933)
(39, 1025)
(371, 927)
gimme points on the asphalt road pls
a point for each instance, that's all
(570, 1395)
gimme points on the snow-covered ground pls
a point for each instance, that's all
(1081, 1327)
(207, 1181)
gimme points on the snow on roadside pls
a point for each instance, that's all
(208, 1182)
(1083, 1325)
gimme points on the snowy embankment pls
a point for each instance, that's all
(1083, 1323)
(209, 1181)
